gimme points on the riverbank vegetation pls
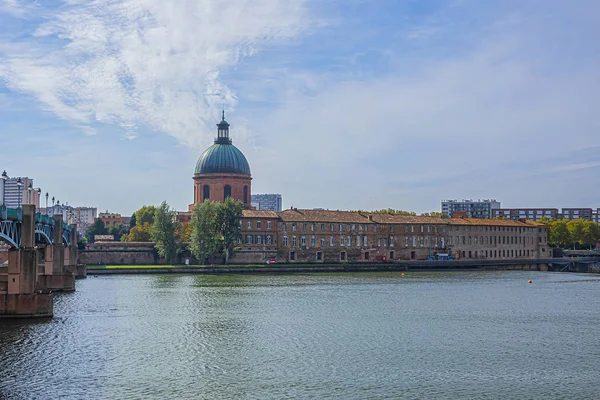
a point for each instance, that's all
(574, 234)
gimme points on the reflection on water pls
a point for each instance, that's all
(345, 336)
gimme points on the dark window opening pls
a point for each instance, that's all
(319, 256)
(226, 192)
(343, 256)
(245, 194)
(292, 256)
(366, 255)
(206, 194)
(391, 255)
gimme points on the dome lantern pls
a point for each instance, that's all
(223, 131)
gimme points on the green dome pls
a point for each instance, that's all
(222, 158)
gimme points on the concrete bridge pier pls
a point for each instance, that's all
(70, 261)
(20, 296)
(56, 277)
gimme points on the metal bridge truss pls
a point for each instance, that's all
(10, 232)
(44, 232)
(10, 229)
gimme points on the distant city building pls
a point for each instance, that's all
(268, 202)
(471, 208)
(82, 216)
(532, 214)
(18, 191)
(110, 219)
(535, 214)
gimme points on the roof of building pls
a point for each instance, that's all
(222, 158)
(259, 214)
(357, 217)
(494, 222)
(298, 215)
(382, 218)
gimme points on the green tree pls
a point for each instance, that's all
(118, 231)
(203, 238)
(163, 232)
(577, 228)
(434, 214)
(139, 233)
(591, 234)
(97, 228)
(228, 218)
(559, 234)
(132, 221)
(145, 214)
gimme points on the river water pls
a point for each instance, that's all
(456, 335)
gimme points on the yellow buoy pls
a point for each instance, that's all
(403, 274)
(529, 281)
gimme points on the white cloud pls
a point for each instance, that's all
(451, 129)
(144, 62)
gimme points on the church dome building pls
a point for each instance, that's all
(222, 171)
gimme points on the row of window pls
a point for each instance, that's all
(259, 225)
(497, 253)
(465, 254)
(305, 227)
(411, 241)
(259, 239)
(226, 193)
(492, 240)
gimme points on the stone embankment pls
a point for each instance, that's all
(526, 265)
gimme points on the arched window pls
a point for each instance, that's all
(245, 194)
(206, 193)
(227, 192)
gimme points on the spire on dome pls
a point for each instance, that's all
(223, 131)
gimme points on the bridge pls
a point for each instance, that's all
(42, 259)
(11, 220)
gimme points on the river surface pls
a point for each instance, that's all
(455, 335)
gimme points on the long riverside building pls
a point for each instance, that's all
(297, 235)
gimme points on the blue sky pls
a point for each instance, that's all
(340, 104)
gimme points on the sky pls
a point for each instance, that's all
(339, 104)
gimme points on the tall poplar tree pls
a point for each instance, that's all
(163, 232)
(203, 242)
(229, 217)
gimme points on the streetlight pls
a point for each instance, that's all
(46, 203)
(29, 189)
(19, 185)
(4, 178)
(39, 199)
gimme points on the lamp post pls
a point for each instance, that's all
(19, 185)
(46, 203)
(4, 178)
(39, 200)
(29, 190)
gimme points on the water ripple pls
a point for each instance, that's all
(483, 335)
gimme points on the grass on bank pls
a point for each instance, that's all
(129, 266)
(296, 265)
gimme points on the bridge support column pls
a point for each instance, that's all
(56, 278)
(22, 297)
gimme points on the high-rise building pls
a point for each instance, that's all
(535, 214)
(270, 202)
(472, 209)
(18, 191)
(82, 216)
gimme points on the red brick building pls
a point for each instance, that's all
(340, 236)
(222, 171)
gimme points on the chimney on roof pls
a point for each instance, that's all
(370, 218)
